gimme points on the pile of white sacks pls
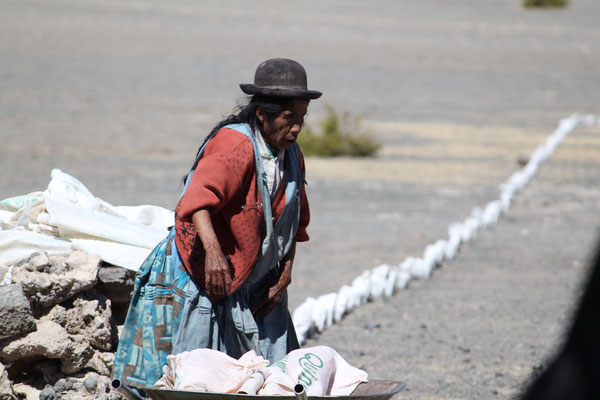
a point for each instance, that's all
(315, 314)
(67, 217)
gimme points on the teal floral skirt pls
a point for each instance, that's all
(153, 317)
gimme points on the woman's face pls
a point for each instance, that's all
(284, 129)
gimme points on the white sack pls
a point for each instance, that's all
(119, 254)
(209, 370)
(390, 282)
(343, 302)
(154, 216)
(18, 244)
(321, 370)
(66, 187)
(253, 384)
(75, 221)
(378, 280)
(17, 202)
(303, 318)
(277, 383)
(328, 304)
(361, 286)
(5, 216)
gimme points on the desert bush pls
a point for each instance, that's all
(545, 3)
(340, 135)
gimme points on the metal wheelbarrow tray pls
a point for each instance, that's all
(372, 390)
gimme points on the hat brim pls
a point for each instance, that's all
(250, 88)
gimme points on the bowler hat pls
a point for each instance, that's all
(280, 77)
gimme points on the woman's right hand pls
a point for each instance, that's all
(216, 272)
(217, 278)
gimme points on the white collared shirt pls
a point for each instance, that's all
(273, 166)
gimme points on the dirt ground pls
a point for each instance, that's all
(119, 94)
(482, 324)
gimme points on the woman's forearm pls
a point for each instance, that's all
(205, 230)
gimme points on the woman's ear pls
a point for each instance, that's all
(260, 114)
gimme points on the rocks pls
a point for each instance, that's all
(24, 391)
(51, 340)
(90, 382)
(58, 280)
(15, 313)
(89, 387)
(116, 283)
(48, 394)
(35, 262)
(4, 272)
(58, 333)
(90, 318)
(6, 388)
(50, 370)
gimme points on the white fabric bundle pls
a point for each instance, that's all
(208, 370)
(343, 302)
(18, 244)
(122, 236)
(379, 280)
(303, 318)
(321, 370)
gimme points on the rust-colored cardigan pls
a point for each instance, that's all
(225, 184)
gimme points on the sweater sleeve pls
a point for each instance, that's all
(218, 176)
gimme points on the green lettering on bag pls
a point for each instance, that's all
(281, 364)
(310, 363)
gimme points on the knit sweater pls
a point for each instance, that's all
(224, 183)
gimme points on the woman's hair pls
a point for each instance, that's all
(273, 106)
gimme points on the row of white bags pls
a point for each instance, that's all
(314, 314)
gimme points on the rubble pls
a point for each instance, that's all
(25, 391)
(89, 318)
(15, 313)
(58, 327)
(6, 387)
(58, 280)
(115, 283)
(89, 387)
(51, 340)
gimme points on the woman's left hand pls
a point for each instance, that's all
(271, 296)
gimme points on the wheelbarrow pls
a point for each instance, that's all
(372, 390)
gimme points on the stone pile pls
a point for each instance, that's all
(59, 323)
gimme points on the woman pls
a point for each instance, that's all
(219, 279)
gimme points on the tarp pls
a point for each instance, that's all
(17, 244)
(67, 216)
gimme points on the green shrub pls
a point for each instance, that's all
(340, 135)
(545, 3)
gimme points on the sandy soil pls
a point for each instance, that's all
(119, 94)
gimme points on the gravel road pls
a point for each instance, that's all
(120, 93)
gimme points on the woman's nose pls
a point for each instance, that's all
(296, 128)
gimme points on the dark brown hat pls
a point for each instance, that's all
(280, 77)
